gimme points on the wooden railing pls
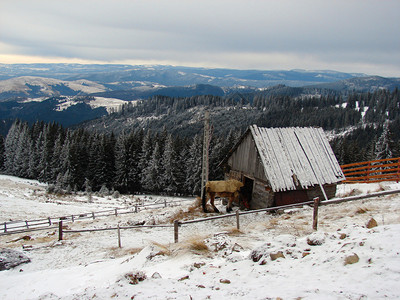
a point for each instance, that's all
(372, 171)
(13, 227)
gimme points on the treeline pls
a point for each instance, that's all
(165, 157)
(138, 161)
(329, 111)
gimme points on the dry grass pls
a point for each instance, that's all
(164, 250)
(234, 231)
(192, 212)
(361, 210)
(195, 244)
(120, 252)
(274, 222)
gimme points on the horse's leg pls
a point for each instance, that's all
(212, 198)
(229, 206)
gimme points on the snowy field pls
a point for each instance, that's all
(212, 260)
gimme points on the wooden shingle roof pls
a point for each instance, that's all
(296, 157)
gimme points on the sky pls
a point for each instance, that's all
(360, 36)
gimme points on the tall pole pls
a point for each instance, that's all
(204, 168)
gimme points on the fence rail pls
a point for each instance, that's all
(372, 171)
(12, 227)
(177, 223)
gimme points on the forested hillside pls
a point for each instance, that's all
(156, 145)
(135, 161)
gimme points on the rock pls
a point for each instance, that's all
(225, 281)
(156, 275)
(276, 255)
(198, 265)
(316, 239)
(237, 248)
(135, 278)
(11, 258)
(343, 236)
(372, 223)
(351, 259)
(256, 255)
(183, 278)
(305, 254)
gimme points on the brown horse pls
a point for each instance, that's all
(226, 188)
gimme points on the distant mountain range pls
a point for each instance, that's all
(126, 76)
(72, 93)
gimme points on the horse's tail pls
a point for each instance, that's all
(204, 200)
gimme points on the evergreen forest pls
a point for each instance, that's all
(156, 146)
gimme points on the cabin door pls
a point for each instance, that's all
(247, 192)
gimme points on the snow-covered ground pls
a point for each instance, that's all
(212, 260)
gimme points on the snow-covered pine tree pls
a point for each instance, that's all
(122, 162)
(21, 163)
(168, 178)
(151, 174)
(1, 152)
(193, 166)
(216, 154)
(385, 145)
(145, 156)
(10, 147)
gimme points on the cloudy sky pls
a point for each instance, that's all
(343, 35)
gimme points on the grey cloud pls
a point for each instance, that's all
(359, 31)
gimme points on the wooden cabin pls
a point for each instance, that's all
(280, 166)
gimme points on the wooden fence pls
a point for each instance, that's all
(12, 227)
(372, 171)
(177, 223)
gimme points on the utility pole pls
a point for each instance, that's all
(206, 142)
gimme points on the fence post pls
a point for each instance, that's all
(93, 215)
(72, 218)
(237, 220)
(315, 214)
(26, 222)
(119, 237)
(60, 231)
(165, 202)
(49, 221)
(176, 229)
(5, 226)
(135, 208)
(116, 212)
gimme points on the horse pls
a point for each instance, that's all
(225, 188)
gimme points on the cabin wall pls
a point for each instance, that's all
(315, 191)
(262, 197)
(246, 160)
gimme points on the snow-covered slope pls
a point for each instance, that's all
(234, 265)
(31, 86)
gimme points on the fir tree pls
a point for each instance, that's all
(150, 175)
(168, 178)
(1, 152)
(385, 145)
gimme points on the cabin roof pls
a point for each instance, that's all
(295, 157)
